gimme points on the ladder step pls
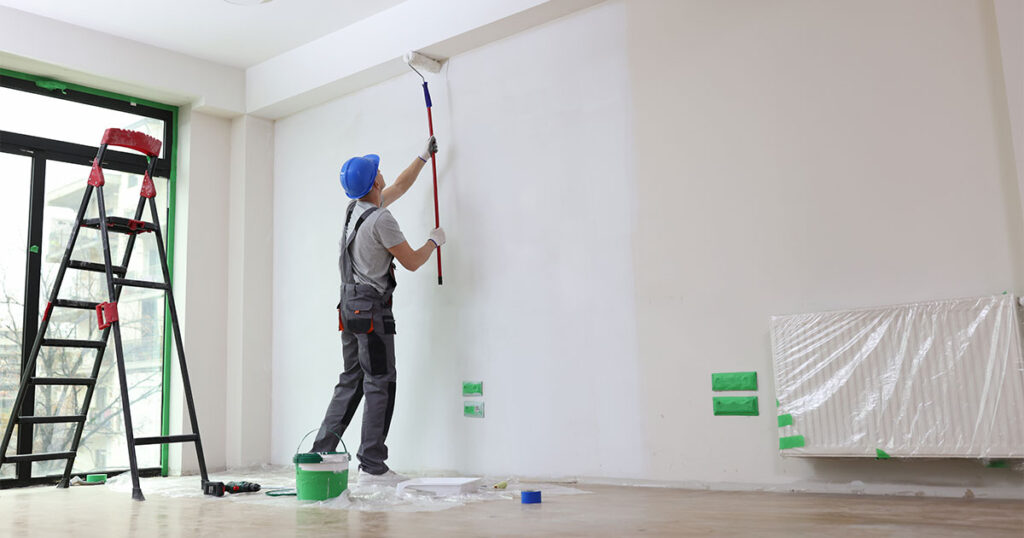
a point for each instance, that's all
(68, 303)
(166, 439)
(121, 225)
(140, 283)
(62, 380)
(57, 419)
(96, 267)
(95, 344)
(42, 456)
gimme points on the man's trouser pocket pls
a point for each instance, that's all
(357, 316)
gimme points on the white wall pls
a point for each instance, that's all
(538, 294)
(249, 283)
(630, 192)
(1010, 24)
(200, 284)
(796, 156)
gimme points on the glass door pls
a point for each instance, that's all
(15, 181)
(102, 446)
(48, 140)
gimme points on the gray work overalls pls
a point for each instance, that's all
(368, 347)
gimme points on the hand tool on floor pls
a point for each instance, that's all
(218, 489)
(415, 59)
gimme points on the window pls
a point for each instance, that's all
(49, 133)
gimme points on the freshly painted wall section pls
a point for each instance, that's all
(798, 156)
(535, 175)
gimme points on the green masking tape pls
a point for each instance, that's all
(95, 478)
(785, 420)
(881, 454)
(735, 406)
(51, 85)
(734, 381)
(998, 464)
(472, 388)
(793, 441)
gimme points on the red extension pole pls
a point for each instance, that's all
(433, 166)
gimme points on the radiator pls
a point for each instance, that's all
(941, 379)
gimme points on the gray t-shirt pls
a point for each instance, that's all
(371, 260)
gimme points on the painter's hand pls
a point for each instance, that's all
(437, 235)
(429, 149)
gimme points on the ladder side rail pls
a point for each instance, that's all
(87, 401)
(178, 342)
(34, 354)
(119, 350)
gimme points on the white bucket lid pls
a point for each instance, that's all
(324, 467)
(335, 462)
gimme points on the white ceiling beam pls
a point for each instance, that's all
(370, 51)
(50, 48)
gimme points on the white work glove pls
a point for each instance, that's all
(437, 236)
(429, 148)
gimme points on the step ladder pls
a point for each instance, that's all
(106, 317)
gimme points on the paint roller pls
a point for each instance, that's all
(419, 62)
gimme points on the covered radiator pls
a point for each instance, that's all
(933, 379)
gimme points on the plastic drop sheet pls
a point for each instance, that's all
(932, 379)
(369, 498)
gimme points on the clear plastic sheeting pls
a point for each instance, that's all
(933, 379)
(359, 498)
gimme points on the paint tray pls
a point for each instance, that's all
(442, 486)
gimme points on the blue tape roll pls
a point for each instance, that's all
(530, 496)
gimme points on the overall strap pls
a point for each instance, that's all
(345, 261)
(359, 222)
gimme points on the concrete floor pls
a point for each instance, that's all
(606, 511)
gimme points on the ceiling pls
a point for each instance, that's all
(214, 30)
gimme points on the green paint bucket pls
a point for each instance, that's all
(320, 475)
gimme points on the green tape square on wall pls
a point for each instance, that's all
(734, 381)
(735, 405)
(785, 420)
(472, 388)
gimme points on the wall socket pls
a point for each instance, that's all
(473, 409)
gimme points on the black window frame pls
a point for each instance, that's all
(41, 150)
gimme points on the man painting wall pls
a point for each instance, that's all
(370, 243)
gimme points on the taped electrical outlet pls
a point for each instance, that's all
(473, 409)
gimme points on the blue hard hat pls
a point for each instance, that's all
(358, 175)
